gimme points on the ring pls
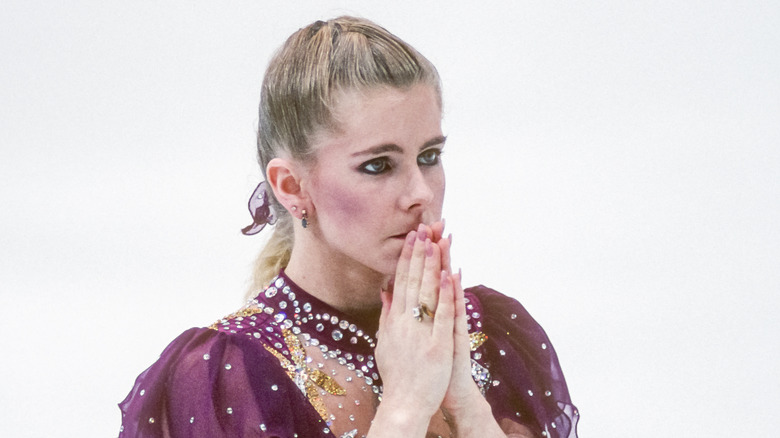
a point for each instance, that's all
(427, 311)
(417, 313)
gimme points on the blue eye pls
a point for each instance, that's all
(375, 166)
(429, 157)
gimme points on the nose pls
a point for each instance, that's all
(419, 192)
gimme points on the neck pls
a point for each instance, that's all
(341, 283)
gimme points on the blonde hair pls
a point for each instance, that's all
(298, 95)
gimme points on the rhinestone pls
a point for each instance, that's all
(496, 383)
(531, 393)
(192, 420)
(343, 324)
(283, 305)
(547, 393)
(326, 430)
(228, 366)
(357, 402)
(351, 418)
(256, 335)
(287, 323)
(502, 352)
(229, 411)
(206, 356)
(337, 335)
(315, 342)
(359, 332)
(348, 379)
(370, 364)
(320, 327)
(513, 316)
(544, 346)
(143, 391)
(307, 307)
(352, 328)
(274, 388)
(279, 282)
(477, 355)
(269, 310)
(334, 319)
(353, 340)
(348, 356)
(151, 420)
(286, 289)
(351, 366)
(296, 330)
(553, 425)
(326, 316)
(279, 317)
(375, 376)
(359, 357)
(369, 380)
(262, 427)
(270, 292)
(291, 295)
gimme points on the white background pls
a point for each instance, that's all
(613, 165)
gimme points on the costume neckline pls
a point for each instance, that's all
(320, 323)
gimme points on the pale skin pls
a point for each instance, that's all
(373, 196)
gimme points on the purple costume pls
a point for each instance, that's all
(277, 368)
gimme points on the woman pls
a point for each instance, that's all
(362, 328)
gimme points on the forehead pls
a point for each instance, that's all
(407, 117)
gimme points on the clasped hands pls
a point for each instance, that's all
(425, 361)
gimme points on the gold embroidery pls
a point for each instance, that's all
(306, 378)
(477, 339)
(245, 312)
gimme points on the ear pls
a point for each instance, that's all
(284, 177)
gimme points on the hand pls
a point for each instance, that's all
(414, 357)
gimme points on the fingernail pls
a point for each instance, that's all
(410, 238)
(445, 279)
(450, 238)
(428, 248)
(443, 223)
(422, 233)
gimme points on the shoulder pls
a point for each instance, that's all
(215, 381)
(526, 380)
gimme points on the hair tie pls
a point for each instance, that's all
(263, 213)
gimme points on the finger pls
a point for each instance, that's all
(402, 273)
(460, 306)
(429, 288)
(437, 228)
(444, 246)
(416, 269)
(443, 323)
(387, 302)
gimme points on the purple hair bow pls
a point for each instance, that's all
(261, 210)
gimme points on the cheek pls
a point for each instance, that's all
(339, 202)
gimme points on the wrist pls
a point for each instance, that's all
(473, 418)
(393, 420)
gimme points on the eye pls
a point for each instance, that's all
(375, 166)
(429, 157)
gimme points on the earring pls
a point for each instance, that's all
(304, 218)
(294, 208)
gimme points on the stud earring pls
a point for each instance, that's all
(304, 218)
(294, 208)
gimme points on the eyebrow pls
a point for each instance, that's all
(392, 147)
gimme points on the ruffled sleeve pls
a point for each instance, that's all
(527, 382)
(215, 384)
